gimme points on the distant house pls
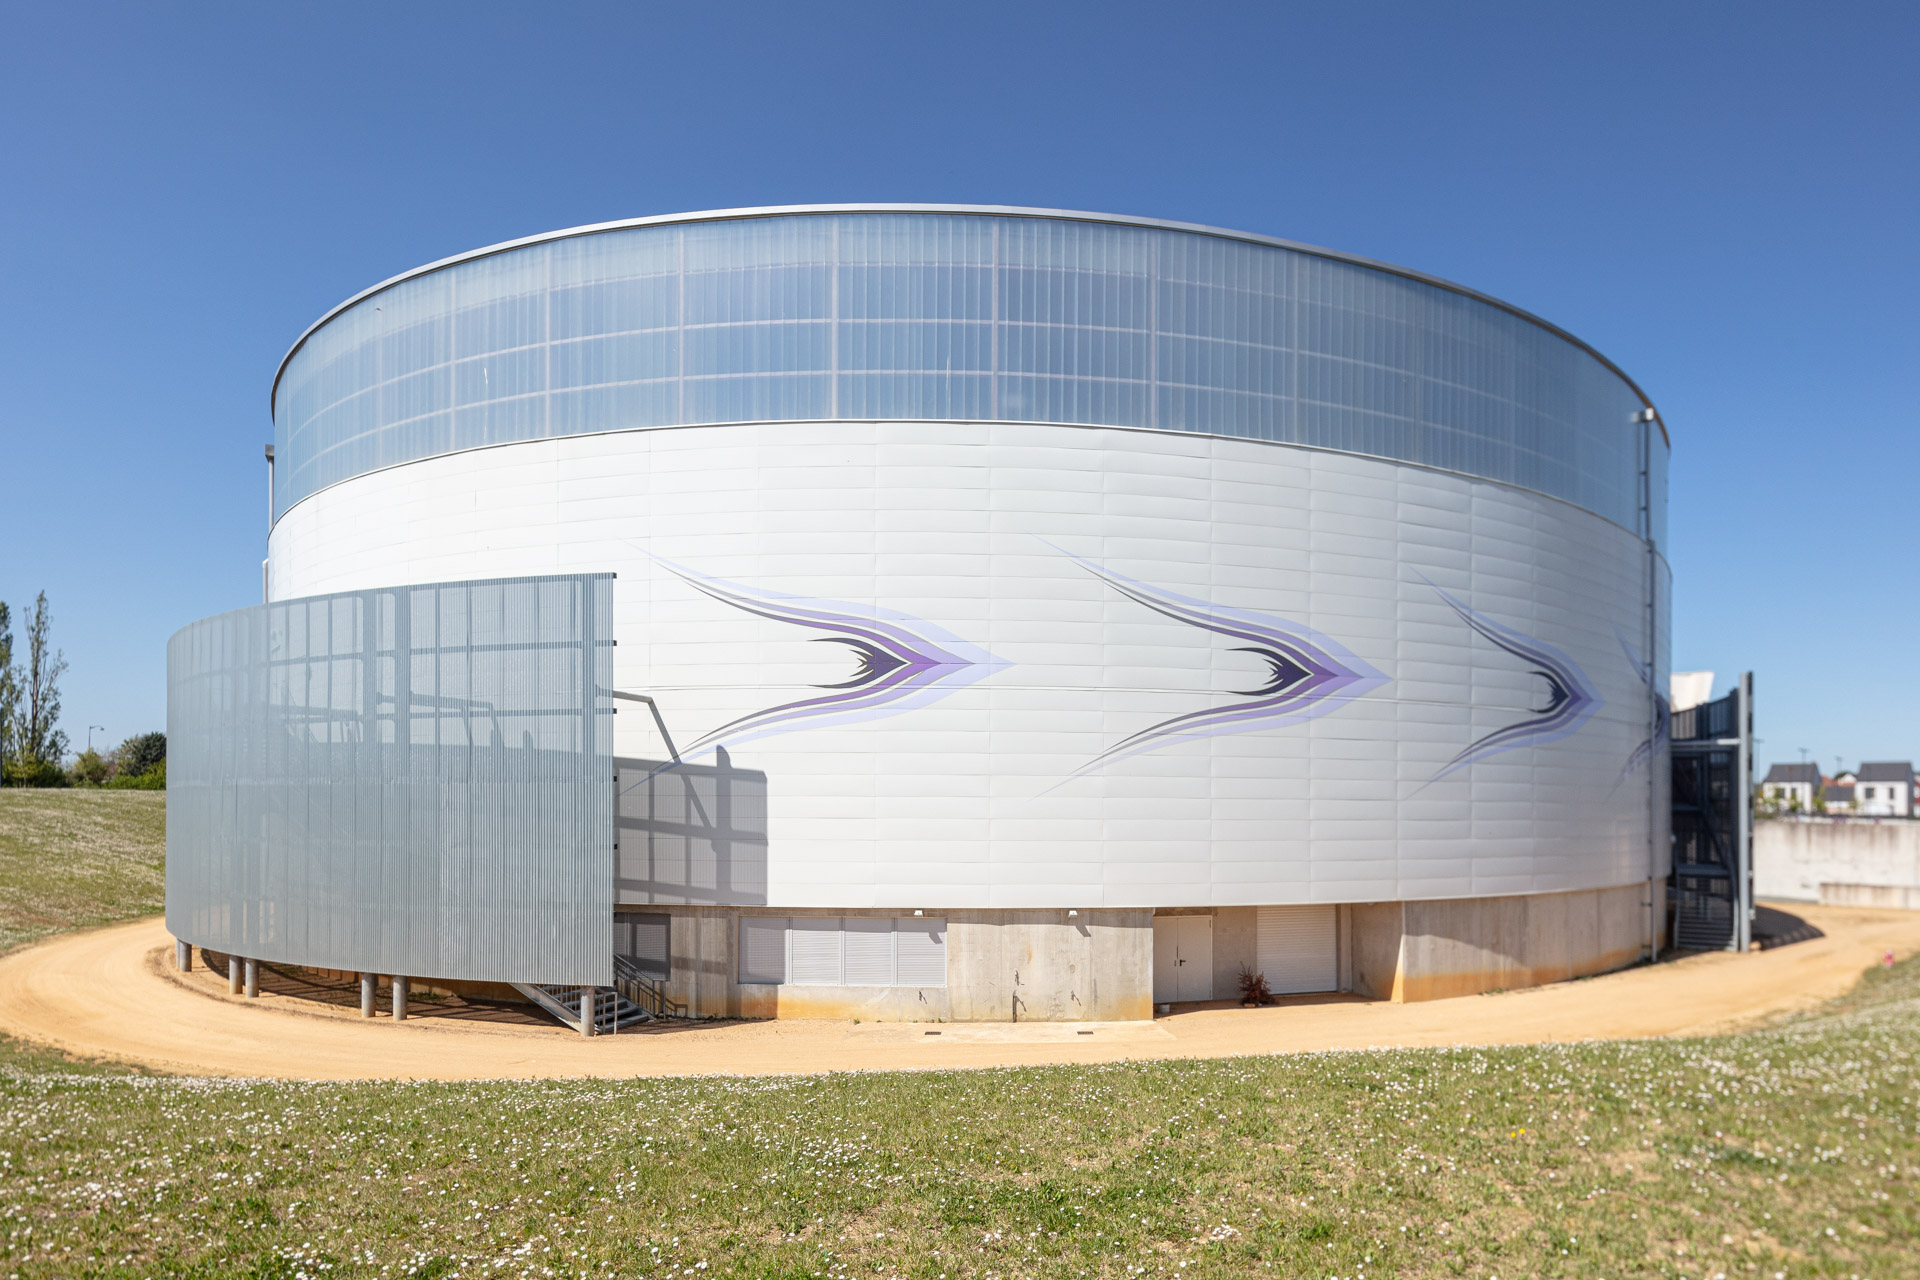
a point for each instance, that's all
(1791, 786)
(1837, 796)
(1884, 789)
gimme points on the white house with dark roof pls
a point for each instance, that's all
(1884, 789)
(1791, 786)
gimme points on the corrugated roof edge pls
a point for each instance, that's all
(987, 210)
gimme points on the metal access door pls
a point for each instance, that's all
(1182, 958)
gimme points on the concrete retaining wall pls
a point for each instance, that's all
(1792, 857)
(1905, 897)
(1405, 951)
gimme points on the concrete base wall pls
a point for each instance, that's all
(1235, 938)
(1043, 966)
(1097, 966)
(1378, 931)
(1002, 966)
(1406, 951)
(1793, 858)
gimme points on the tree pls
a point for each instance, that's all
(37, 736)
(140, 753)
(9, 688)
(89, 770)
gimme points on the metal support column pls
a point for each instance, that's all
(368, 983)
(183, 956)
(233, 975)
(1651, 603)
(589, 1009)
(399, 998)
(251, 974)
(1743, 808)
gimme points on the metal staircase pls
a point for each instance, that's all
(607, 1011)
(1703, 908)
(636, 996)
(1711, 888)
(643, 990)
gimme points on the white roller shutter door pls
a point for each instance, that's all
(1296, 949)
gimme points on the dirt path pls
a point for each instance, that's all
(113, 993)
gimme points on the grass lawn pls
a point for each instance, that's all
(1788, 1152)
(76, 857)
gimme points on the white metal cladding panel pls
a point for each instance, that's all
(1296, 949)
(694, 833)
(990, 790)
(763, 949)
(412, 780)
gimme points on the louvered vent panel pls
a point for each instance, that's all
(815, 951)
(644, 940)
(921, 947)
(763, 949)
(868, 952)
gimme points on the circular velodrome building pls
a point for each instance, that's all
(941, 613)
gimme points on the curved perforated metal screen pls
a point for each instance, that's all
(947, 316)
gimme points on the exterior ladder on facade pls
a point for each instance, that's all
(609, 1010)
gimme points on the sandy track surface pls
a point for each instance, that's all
(113, 993)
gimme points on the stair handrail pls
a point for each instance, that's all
(645, 990)
(546, 1000)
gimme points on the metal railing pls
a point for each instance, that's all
(643, 990)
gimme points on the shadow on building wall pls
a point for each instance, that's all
(690, 834)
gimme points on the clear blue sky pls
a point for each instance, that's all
(1723, 198)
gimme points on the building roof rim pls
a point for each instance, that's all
(1804, 771)
(1885, 771)
(982, 210)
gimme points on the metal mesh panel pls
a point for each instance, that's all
(412, 780)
